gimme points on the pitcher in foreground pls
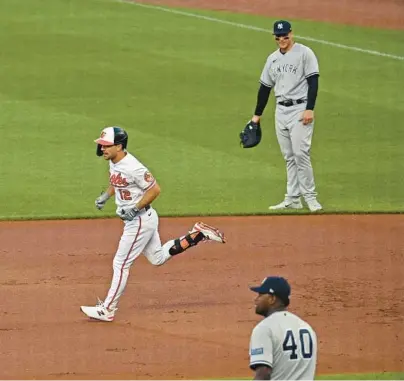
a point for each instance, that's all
(283, 346)
(135, 188)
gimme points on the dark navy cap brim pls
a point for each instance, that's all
(259, 290)
(281, 33)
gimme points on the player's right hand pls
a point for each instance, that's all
(101, 200)
(307, 117)
(129, 214)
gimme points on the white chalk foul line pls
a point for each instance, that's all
(251, 27)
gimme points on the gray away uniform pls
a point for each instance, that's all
(287, 74)
(287, 344)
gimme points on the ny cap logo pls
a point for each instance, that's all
(103, 133)
(280, 26)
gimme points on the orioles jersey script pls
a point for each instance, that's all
(131, 179)
(287, 344)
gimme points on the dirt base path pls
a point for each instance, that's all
(192, 318)
(385, 14)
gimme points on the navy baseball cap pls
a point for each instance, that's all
(274, 285)
(282, 27)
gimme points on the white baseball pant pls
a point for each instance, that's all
(139, 236)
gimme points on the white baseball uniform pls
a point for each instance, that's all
(287, 74)
(287, 344)
(131, 179)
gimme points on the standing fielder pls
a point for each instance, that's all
(293, 72)
(135, 189)
(282, 346)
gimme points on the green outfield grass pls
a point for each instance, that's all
(184, 88)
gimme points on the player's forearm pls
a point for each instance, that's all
(263, 373)
(262, 100)
(110, 190)
(149, 196)
(312, 92)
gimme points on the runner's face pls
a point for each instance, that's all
(109, 152)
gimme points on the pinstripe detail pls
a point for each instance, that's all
(261, 362)
(126, 259)
(265, 84)
(151, 185)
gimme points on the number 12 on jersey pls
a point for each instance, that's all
(125, 194)
(305, 341)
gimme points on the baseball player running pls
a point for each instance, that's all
(282, 346)
(293, 72)
(135, 188)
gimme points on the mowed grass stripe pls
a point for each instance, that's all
(183, 93)
(258, 29)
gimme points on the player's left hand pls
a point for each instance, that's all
(101, 200)
(251, 135)
(129, 214)
(307, 117)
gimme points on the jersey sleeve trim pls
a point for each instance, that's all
(260, 362)
(150, 186)
(265, 84)
(310, 75)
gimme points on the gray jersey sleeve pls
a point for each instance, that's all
(261, 347)
(266, 78)
(310, 63)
